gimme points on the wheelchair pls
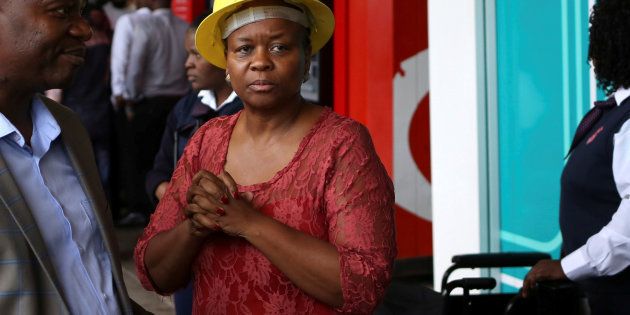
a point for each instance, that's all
(548, 298)
(410, 297)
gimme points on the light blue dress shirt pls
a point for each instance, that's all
(64, 215)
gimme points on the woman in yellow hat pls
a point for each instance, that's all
(283, 208)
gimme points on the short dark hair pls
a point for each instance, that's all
(609, 48)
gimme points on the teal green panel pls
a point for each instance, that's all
(543, 91)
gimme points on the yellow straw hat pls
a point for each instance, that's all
(209, 36)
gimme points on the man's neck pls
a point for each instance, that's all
(16, 108)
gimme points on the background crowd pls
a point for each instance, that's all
(146, 87)
(135, 73)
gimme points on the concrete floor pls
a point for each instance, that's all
(152, 302)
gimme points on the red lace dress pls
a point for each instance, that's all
(335, 188)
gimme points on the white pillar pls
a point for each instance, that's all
(458, 157)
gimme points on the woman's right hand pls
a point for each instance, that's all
(203, 196)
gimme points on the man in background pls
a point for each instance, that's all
(155, 81)
(121, 50)
(125, 186)
(114, 9)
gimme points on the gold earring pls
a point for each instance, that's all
(227, 78)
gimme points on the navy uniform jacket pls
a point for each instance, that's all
(185, 118)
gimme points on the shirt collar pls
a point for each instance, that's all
(161, 11)
(143, 10)
(43, 123)
(621, 94)
(7, 129)
(208, 98)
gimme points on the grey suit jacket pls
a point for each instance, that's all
(28, 282)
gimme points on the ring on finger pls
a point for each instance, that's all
(220, 211)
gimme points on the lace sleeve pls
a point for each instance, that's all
(359, 200)
(169, 211)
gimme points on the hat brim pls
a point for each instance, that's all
(209, 42)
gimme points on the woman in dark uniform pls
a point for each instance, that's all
(595, 185)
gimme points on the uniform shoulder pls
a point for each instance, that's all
(186, 102)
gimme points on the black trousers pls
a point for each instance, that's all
(139, 143)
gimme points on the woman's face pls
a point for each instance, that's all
(200, 73)
(267, 62)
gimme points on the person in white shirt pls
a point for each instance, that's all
(120, 51)
(155, 81)
(121, 48)
(157, 55)
(595, 185)
(114, 9)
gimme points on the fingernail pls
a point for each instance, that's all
(220, 211)
(236, 195)
(225, 200)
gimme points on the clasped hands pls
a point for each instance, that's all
(215, 204)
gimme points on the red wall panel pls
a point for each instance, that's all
(372, 41)
(187, 10)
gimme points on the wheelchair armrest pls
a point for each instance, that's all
(481, 283)
(493, 260)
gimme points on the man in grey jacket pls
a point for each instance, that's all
(58, 252)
